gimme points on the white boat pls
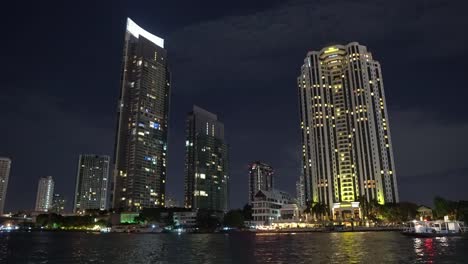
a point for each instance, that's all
(435, 228)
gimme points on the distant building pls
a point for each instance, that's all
(300, 195)
(5, 165)
(92, 183)
(267, 205)
(171, 202)
(346, 142)
(58, 204)
(425, 213)
(185, 219)
(206, 162)
(143, 116)
(45, 191)
(260, 178)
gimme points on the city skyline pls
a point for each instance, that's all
(254, 91)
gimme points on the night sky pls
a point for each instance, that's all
(61, 64)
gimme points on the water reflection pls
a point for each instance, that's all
(243, 248)
(424, 249)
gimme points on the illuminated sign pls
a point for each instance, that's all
(136, 31)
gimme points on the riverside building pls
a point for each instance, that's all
(140, 157)
(346, 142)
(206, 162)
(92, 183)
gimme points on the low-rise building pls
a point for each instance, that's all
(290, 212)
(267, 206)
(425, 213)
(185, 219)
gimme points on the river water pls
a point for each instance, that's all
(242, 248)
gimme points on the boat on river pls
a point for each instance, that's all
(434, 228)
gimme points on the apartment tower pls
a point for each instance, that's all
(347, 147)
(140, 157)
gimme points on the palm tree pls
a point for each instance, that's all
(364, 204)
(320, 210)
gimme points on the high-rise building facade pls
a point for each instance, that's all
(45, 191)
(260, 178)
(5, 165)
(347, 147)
(92, 183)
(141, 142)
(300, 192)
(58, 204)
(206, 162)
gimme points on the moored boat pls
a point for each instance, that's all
(434, 228)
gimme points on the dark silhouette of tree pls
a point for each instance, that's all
(234, 218)
(207, 219)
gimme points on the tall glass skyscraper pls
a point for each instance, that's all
(206, 162)
(141, 142)
(5, 165)
(260, 178)
(347, 147)
(45, 192)
(92, 183)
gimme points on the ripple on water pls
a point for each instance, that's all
(243, 248)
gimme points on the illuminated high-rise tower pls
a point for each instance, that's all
(260, 178)
(92, 183)
(206, 162)
(45, 192)
(347, 147)
(140, 155)
(5, 164)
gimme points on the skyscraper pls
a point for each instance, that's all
(5, 165)
(45, 191)
(141, 141)
(260, 178)
(300, 192)
(92, 183)
(347, 148)
(206, 162)
(58, 204)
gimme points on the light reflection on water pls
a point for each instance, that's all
(244, 248)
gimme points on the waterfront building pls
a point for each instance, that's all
(140, 155)
(290, 212)
(206, 162)
(260, 178)
(267, 205)
(5, 165)
(300, 194)
(92, 183)
(45, 191)
(346, 141)
(185, 218)
(58, 204)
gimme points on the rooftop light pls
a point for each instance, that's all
(136, 31)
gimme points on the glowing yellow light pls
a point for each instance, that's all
(330, 50)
